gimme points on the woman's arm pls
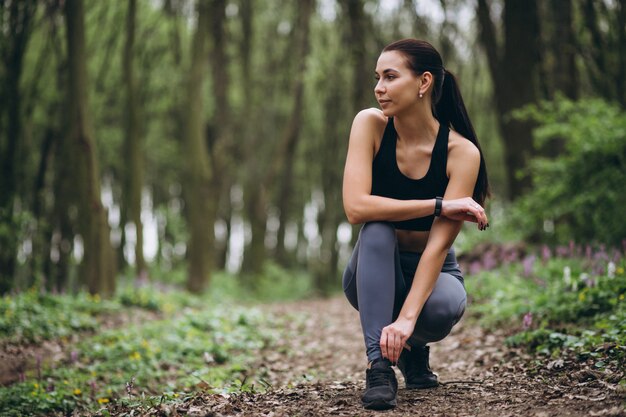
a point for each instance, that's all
(463, 163)
(360, 206)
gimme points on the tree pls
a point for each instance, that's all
(97, 266)
(513, 65)
(197, 185)
(18, 17)
(133, 175)
(602, 46)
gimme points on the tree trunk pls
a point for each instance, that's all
(333, 152)
(289, 142)
(563, 47)
(197, 184)
(222, 147)
(513, 71)
(133, 143)
(97, 271)
(13, 49)
(356, 37)
(603, 55)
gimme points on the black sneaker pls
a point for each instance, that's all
(381, 386)
(415, 368)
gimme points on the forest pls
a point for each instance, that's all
(177, 165)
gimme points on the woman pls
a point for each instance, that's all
(413, 182)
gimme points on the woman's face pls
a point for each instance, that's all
(397, 88)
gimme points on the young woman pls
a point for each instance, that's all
(412, 181)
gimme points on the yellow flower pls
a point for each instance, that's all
(103, 400)
(135, 356)
(581, 296)
(93, 373)
(620, 271)
(621, 297)
(77, 391)
(176, 395)
(36, 385)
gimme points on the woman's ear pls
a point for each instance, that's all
(427, 80)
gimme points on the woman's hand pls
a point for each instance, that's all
(394, 337)
(465, 209)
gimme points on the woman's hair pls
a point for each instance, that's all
(448, 106)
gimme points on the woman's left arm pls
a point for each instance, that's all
(463, 166)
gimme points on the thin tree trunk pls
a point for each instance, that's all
(564, 49)
(222, 147)
(97, 271)
(134, 143)
(19, 22)
(289, 142)
(513, 71)
(333, 153)
(197, 184)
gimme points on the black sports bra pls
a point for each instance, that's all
(389, 181)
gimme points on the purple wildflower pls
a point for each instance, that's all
(129, 386)
(475, 267)
(546, 253)
(489, 261)
(528, 263)
(562, 251)
(73, 356)
(527, 321)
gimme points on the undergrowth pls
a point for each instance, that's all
(558, 306)
(188, 343)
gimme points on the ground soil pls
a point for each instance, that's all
(317, 369)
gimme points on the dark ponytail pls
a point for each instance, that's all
(448, 106)
(450, 110)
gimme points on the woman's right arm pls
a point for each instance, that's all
(358, 202)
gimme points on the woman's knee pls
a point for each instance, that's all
(377, 236)
(440, 313)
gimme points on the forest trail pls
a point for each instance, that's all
(318, 370)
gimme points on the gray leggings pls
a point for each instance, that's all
(378, 278)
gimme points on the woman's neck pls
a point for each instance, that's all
(416, 127)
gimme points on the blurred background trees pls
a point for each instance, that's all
(144, 137)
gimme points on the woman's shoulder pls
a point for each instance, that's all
(370, 121)
(461, 147)
(371, 117)
(462, 150)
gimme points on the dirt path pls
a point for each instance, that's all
(479, 376)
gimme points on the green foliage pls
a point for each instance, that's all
(32, 317)
(208, 348)
(582, 191)
(557, 305)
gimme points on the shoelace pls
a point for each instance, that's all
(380, 377)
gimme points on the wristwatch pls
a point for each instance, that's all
(438, 203)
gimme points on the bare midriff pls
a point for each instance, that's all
(411, 240)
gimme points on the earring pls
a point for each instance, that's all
(421, 95)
